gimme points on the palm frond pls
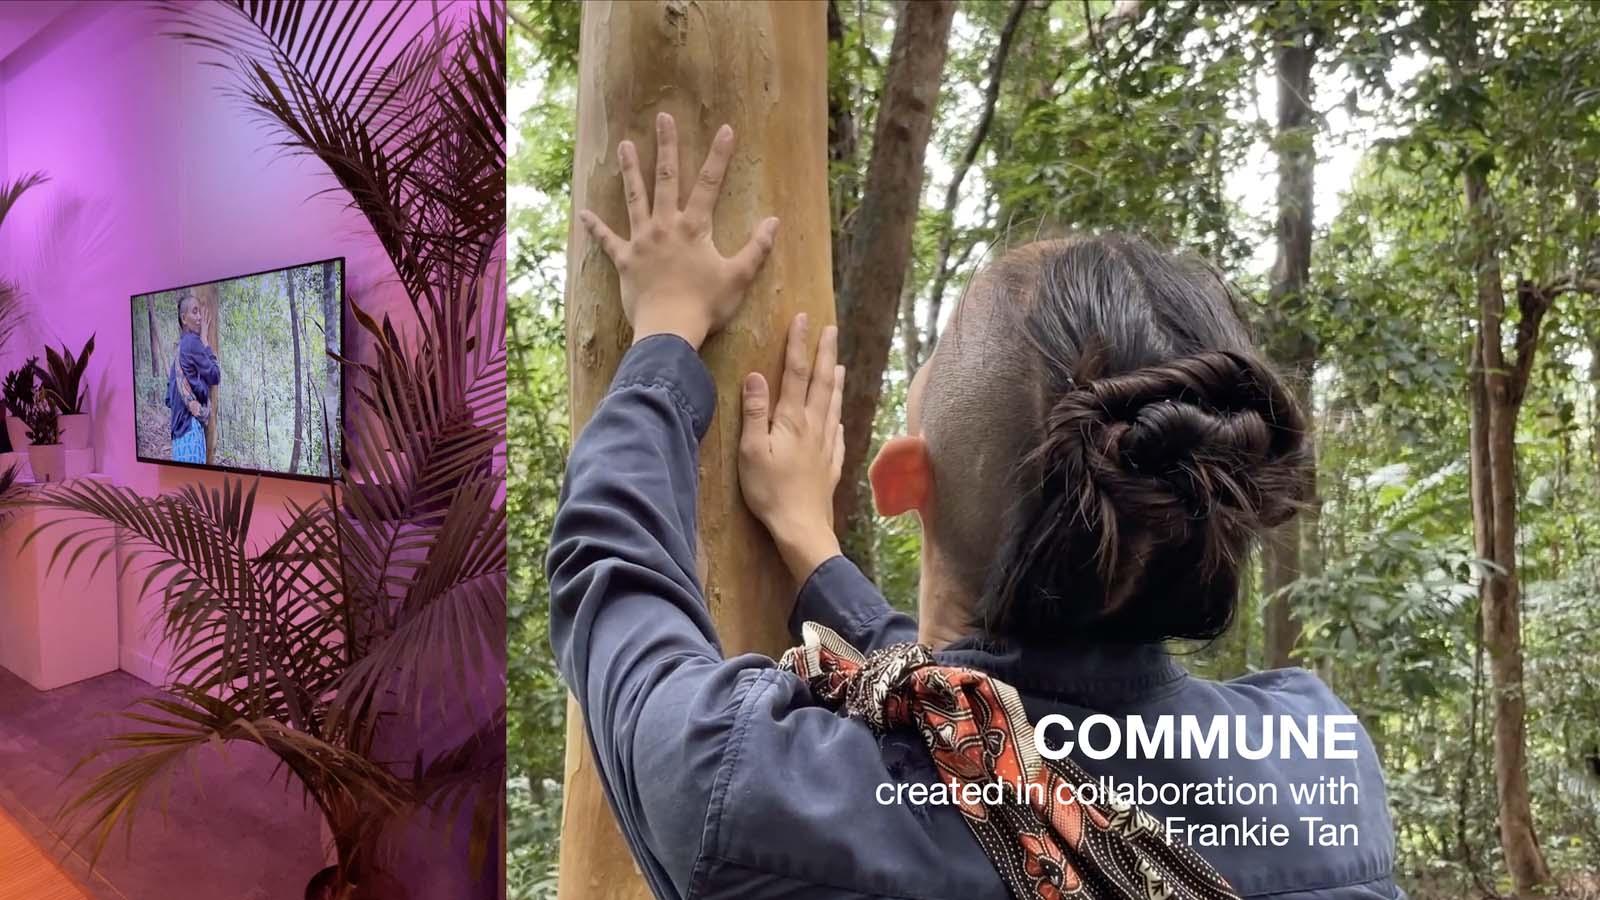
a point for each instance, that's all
(382, 604)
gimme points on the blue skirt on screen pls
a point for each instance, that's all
(190, 447)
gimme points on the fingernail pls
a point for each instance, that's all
(726, 131)
(803, 320)
(662, 119)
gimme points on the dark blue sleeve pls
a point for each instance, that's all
(198, 363)
(840, 597)
(628, 621)
(717, 769)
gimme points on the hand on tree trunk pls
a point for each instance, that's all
(674, 279)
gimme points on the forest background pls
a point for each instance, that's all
(1409, 195)
(273, 342)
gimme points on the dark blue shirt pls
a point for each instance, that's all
(198, 366)
(730, 782)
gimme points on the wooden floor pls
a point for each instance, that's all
(26, 873)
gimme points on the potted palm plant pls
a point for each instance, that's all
(11, 310)
(46, 455)
(19, 392)
(375, 615)
(15, 387)
(62, 383)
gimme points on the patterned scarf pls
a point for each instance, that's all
(1047, 845)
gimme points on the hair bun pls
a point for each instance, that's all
(1186, 462)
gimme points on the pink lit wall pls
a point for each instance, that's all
(156, 180)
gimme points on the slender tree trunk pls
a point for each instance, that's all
(156, 367)
(844, 192)
(880, 245)
(1495, 513)
(1291, 347)
(942, 269)
(762, 68)
(332, 329)
(211, 333)
(299, 375)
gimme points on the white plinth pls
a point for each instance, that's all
(56, 626)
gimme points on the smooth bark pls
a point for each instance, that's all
(762, 68)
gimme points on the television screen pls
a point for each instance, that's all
(236, 374)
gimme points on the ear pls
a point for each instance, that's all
(901, 476)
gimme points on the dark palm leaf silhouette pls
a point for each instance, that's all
(381, 607)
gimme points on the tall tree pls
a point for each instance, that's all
(761, 68)
(1290, 342)
(211, 333)
(332, 330)
(1498, 386)
(868, 302)
(919, 342)
(299, 374)
(156, 366)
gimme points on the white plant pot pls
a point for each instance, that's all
(76, 430)
(49, 462)
(18, 433)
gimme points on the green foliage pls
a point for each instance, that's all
(540, 167)
(1148, 125)
(324, 646)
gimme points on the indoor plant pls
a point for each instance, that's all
(46, 455)
(19, 392)
(11, 310)
(325, 646)
(62, 383)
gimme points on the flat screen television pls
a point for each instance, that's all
(236, 374)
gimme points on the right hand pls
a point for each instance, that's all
(673, 278)
(791, 453)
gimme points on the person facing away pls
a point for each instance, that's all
(193, 374)
(1093, 447)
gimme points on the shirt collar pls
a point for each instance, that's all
(1088, 674)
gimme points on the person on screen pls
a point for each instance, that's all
(1094, 446)
(193, 374)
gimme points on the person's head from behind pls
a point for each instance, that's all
(1095, 445)
(189, 317)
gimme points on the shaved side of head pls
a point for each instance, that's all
(1104, 438)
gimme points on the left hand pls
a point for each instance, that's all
(673, 278)
(791, 454)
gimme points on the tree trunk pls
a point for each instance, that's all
(156, 367)
(332, 330)
(918, 346)
(842, 139)
(1495, 515)
(211, 333)
(762, 68)
(299, 375)
(1291, 347)
(880, 245)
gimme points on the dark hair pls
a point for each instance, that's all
(1167, 446)
(183, 298)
